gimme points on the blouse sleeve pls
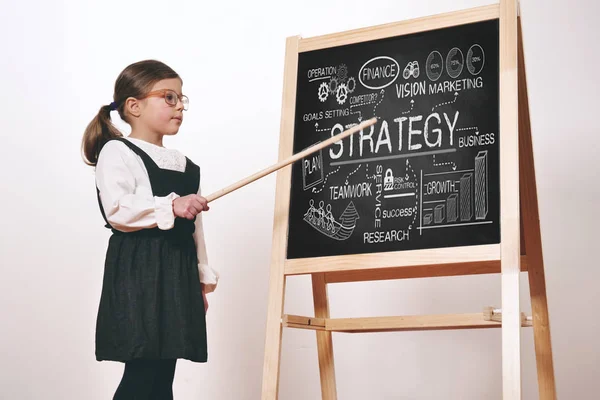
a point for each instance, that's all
(127, 206)
(208, 276)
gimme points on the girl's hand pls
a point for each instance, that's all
(189, 206)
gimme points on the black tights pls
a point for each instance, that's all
(147, 380)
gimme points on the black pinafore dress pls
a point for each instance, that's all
(151, 305)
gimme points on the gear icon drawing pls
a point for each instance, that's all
(351, 85)
(323, 91)
(342, 72)
(333, 85)
(342, 93)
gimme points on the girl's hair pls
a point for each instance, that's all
(135, 81)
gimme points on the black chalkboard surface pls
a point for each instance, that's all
(426, 175)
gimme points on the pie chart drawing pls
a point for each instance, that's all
(475, 59)
(455, 62)
(434, 65)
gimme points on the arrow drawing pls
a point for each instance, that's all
(473, 128)
(380, 100)
(359, 114)
(353, 172)
(315, 190)
(443, 164)
(414, 176)
(412, 105)
(448, 102)
(367, 172)
(321, 130)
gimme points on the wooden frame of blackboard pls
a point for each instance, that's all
(519, 227)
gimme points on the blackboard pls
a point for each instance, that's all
(426, 175)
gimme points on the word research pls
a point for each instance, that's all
(412, 133)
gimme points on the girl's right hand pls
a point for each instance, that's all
(189, 206)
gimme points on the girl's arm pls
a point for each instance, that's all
(208, 276)
(129, 207)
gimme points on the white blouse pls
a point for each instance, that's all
(126, 195)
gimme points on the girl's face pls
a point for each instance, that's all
(157, 115)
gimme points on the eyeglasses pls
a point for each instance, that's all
(171, 98)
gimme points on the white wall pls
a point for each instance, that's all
(58, 64)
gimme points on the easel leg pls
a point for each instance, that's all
(511, 330)
(533, 242)
(271, 367)
(509, 201)
(324, 340)
(277, 279)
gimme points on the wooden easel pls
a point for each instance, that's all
(520, 248)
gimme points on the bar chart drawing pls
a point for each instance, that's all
(438, 213)
(427, 219)
(481, 185)
(452, 208)
(466, 205)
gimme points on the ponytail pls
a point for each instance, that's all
(98, 132)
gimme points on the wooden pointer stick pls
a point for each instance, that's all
(295, 157)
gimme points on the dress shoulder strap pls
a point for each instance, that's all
(148, 162)
(194, 172)
(107, 225)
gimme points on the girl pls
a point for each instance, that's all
(153, 302)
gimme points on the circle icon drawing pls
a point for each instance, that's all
(333, 85)
(342, 73)
(475, 59)
(351, 84)
(455, 62)
(323, 91)
(342, 93)
(434, 65)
